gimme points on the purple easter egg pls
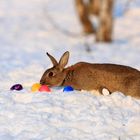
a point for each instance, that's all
(16, 87)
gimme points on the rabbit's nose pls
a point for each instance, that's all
(42, 82)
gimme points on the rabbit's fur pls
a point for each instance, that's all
(87, 76)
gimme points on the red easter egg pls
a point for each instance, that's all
(44, 88)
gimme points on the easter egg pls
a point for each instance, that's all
(16, 87)
(35, 87)
(44, 88)
(68, 88)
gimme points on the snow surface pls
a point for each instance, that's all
(28, 29)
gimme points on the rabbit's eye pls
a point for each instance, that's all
(50, 74)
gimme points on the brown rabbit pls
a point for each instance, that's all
(87, 76)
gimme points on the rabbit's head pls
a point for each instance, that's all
(55, 75)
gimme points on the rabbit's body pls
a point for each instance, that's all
(87, 76)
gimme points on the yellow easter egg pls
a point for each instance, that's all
(35, 87)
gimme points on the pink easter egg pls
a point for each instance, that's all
(44, 88)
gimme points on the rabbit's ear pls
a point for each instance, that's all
(53, 60)
(64, 59)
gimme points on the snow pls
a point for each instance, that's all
(26, 33)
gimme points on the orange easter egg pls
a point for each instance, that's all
(35, 87)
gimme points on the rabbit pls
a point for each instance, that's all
(103, 10)
(88, 76)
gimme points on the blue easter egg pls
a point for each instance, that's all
(68, 88)
(16, 87)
